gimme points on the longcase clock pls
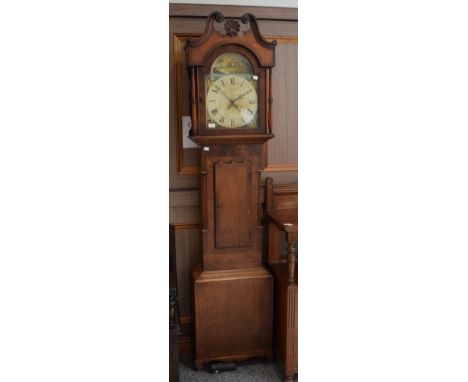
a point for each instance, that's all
(230, 78)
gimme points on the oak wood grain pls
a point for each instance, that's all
(232, 203)
(236, 308)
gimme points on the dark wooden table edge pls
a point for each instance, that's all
(290, 225)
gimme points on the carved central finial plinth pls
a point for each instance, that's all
(232, 27)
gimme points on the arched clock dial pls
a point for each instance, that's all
(232, 101)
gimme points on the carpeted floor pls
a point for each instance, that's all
(256, 370)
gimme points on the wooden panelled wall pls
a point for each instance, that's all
(189, 21)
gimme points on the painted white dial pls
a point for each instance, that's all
(231, 101)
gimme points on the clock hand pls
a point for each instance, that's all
(231, 102)
(241, 96)
(224, 94)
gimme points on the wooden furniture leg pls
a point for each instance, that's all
(291, 340)
(291, 238)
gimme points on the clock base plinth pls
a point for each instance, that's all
(233, 314)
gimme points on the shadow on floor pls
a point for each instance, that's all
(254, 370)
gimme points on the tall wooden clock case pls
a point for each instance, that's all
(230, 74)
